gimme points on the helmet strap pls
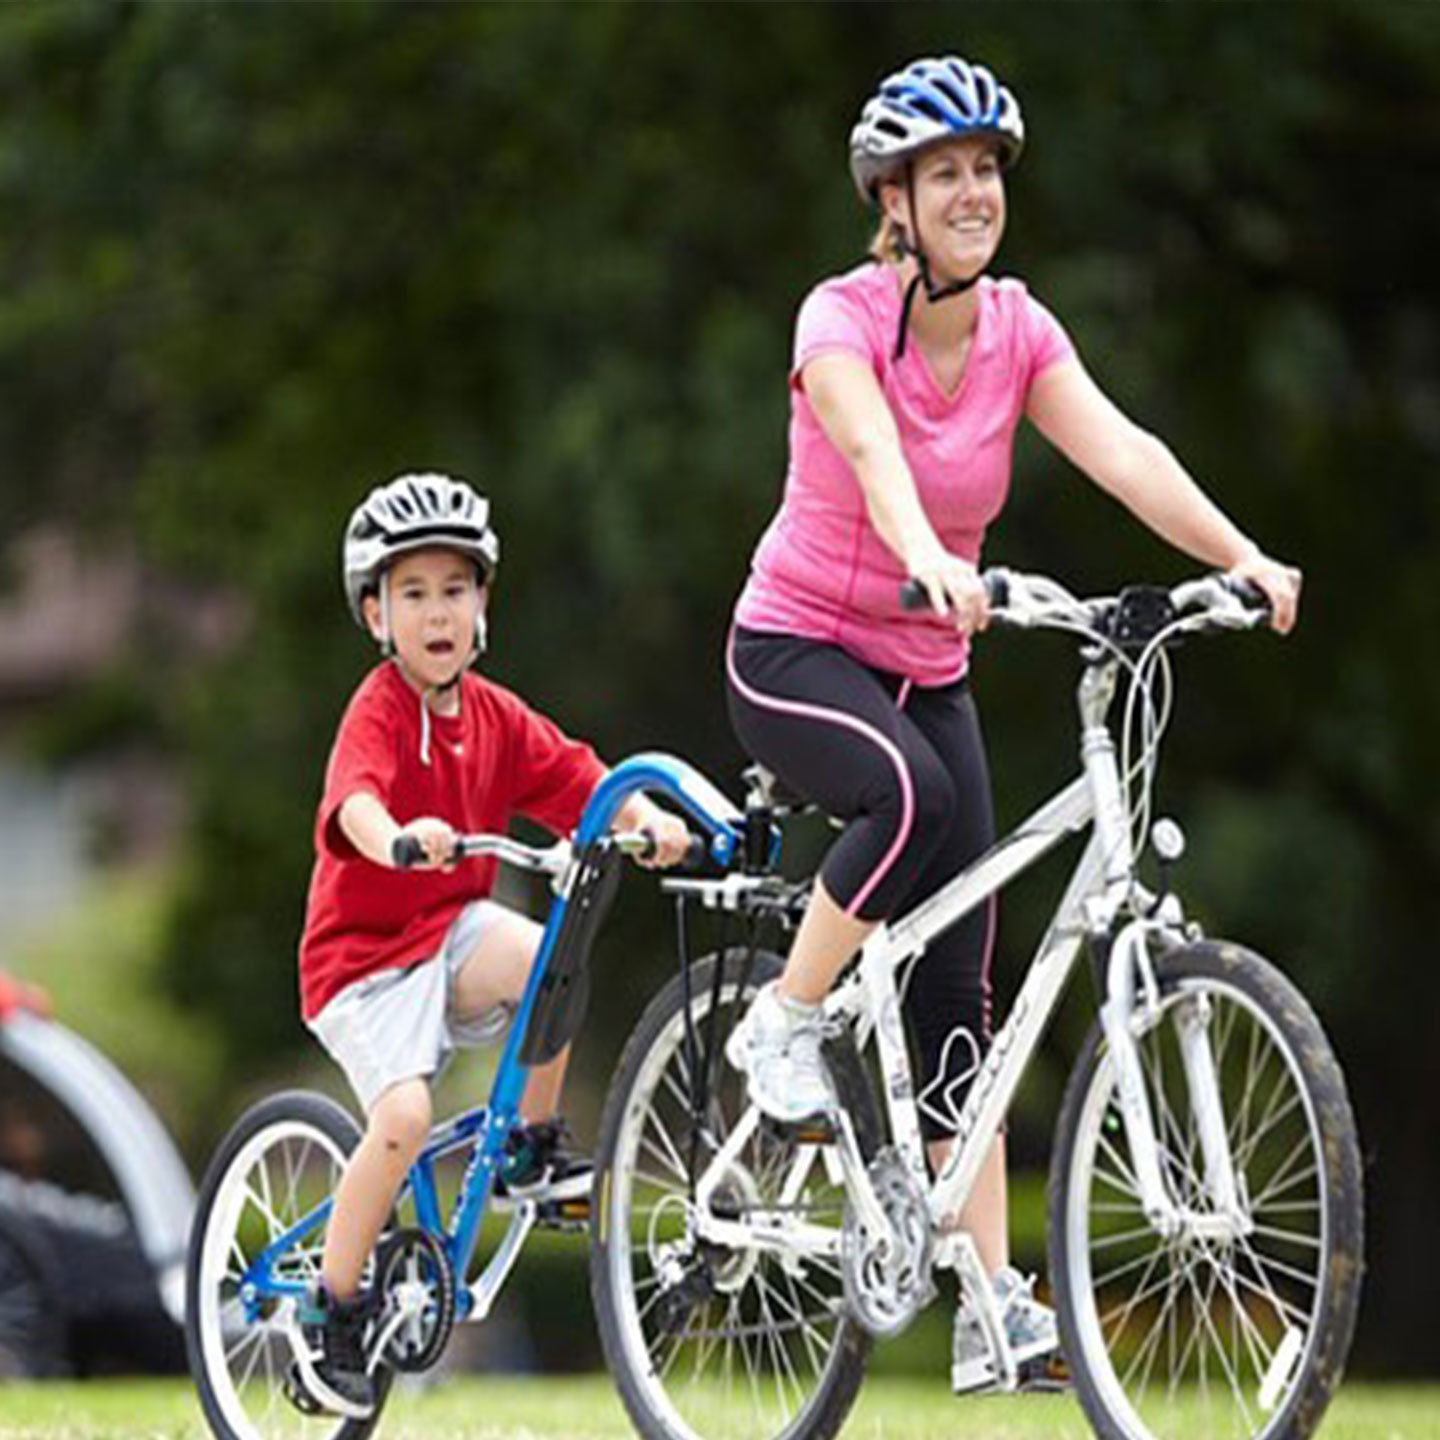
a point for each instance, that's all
(922, 276)
(387, 645)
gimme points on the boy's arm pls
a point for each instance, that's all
(372, 830)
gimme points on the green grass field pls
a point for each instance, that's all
(586, 1409)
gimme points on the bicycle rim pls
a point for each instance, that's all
(765, 1353)
(277, 1177)
(1196, 1335)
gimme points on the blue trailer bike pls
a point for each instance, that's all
(1205, 1205)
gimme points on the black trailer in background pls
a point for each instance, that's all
(95, 1208)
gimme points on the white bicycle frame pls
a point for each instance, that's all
(1102, 887)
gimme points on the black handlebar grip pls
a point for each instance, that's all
(997, 588)
(914, 596)
(697, 853)
(1247, 592)
(406, 851)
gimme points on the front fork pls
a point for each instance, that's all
(1131, 1008)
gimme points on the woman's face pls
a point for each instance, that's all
(959, 205)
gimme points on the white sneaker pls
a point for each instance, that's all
(1029, 1327)
(777, 1047)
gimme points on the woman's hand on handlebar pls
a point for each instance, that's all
(1281, 584)
(671, 835)
(954, 588)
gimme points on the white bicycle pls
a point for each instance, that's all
(1205, 1206)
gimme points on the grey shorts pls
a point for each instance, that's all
(401, 1024)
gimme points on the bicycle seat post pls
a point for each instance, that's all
(761, 842)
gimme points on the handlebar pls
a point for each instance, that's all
(407, 852)
(1134, 616)
(914, 595)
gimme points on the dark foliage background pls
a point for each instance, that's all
(254, 259)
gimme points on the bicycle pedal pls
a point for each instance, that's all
(298, 1395)
(1045, 1375)
(572, 1214)
(812, 1130)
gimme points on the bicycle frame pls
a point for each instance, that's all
(485, 1129)
(1101, 886)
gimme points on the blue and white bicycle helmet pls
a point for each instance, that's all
(414, 512)
(930, 100)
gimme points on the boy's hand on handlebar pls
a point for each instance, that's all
(954, 588)
(436, 840)
(1281, 584)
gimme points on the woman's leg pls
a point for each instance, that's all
(950, 990)
(826, 939)
(829, 728)
(985, 1215)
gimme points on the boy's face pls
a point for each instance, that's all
(435, 596)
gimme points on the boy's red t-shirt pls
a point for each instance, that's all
(496, 759)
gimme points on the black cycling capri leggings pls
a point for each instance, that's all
(904, 767)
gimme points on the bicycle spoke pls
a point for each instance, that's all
(1260, 1353)
(669, 1156)
(1282, 1179)
(1288, 1237)
(1143, 1292)
(1272, 1119)
(1112, 1238)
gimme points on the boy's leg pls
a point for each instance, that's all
(395, 1133)
(495, 972)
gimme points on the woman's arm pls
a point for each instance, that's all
(853, 413)
(1141, 472)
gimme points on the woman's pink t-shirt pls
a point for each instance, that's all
(821, 570)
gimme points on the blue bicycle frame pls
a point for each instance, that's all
(487, 1127)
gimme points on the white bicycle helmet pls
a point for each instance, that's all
(414, 512)
(930, 100)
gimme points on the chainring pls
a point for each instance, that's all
(887, 1285)
(416, 1290)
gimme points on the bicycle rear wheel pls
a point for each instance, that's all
(707, 1342)
(1235, 1333)
(281, 1159)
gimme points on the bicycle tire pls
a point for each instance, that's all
(303, 1140)
(756, 1298)
(1266, 1316)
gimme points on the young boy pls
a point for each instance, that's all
(397, 967)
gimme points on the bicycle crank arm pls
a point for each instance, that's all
(775, 1229)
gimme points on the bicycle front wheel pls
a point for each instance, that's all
(281, 1159)
(1235, 1327)
(708, 1342)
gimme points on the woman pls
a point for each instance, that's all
(911, 373)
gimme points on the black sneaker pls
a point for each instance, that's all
(330, 1370)
(537, 1165)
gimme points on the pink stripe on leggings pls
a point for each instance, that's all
(846, 722)
(993, 911)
